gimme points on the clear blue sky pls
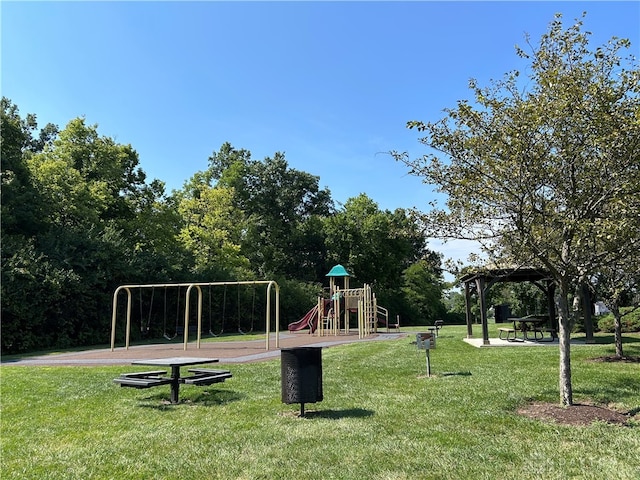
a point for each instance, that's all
(331, 84)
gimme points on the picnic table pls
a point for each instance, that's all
(200, 376)
(527, 326)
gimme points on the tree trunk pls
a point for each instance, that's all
(564, 340)
(585, 298)
(617, 329)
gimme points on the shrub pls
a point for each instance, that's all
(630, 321)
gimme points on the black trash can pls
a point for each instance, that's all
(501, 313)
(301, 370)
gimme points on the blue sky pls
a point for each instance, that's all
(331, 84)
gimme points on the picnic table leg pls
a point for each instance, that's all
(175, 383)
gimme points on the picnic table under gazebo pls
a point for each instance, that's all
(480, 282)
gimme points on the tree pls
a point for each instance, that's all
(617, 285)
(523, 298)
(283, 207)
(212, 230)
(380, 248)
(376, 246)
(21, 203)
(423, 288)
(71, 230)
(545, 172)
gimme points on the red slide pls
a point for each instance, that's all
(309, 320)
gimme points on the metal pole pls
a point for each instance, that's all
(277, 314)
(199, 315)
(428, 363)
(113, 318)
(128, 333)
(185, 333)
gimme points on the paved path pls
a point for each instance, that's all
(227, 352)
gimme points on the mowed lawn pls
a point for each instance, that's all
(381, 418)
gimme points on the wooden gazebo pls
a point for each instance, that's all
(480, 282)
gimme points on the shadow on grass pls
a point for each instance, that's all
(205, 398)
(608, 339)
(451, 374)
(610, 390)
(338, 414)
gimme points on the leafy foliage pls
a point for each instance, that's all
(630, 321)
(544, 171)
(79, 218)
(71, 234)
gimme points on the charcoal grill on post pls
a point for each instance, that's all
(301, 370)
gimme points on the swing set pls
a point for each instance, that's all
(270, 285)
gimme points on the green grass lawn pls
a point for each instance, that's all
(381, 418)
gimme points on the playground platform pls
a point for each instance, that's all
(226, 351)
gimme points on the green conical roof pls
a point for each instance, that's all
(338, 271)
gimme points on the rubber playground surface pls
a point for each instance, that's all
(227, 352)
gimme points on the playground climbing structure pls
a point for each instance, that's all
(332, 315)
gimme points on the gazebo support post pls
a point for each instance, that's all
(551, 304)
(480, 284)
(467, 303)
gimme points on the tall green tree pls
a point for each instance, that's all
(545, 171)
(212, 230)
(283, 207)
(28, 279)
(376, 246)
(423, 288)
(79, 238)
(21, 204)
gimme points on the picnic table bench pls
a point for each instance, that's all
(553, 334)
(509, 332)
(206, 376)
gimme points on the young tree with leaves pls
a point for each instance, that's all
(618, 285)
(546, 171)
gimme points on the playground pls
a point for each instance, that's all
(482, 413)
(332, 313)
(330, 318)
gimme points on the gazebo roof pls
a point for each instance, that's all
(523, 274)
(338, 271)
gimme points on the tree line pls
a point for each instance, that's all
(80, 217)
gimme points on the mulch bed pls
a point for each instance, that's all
(580, 414)
(615, 358)
(577, 414)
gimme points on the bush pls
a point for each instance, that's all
(630, 321)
